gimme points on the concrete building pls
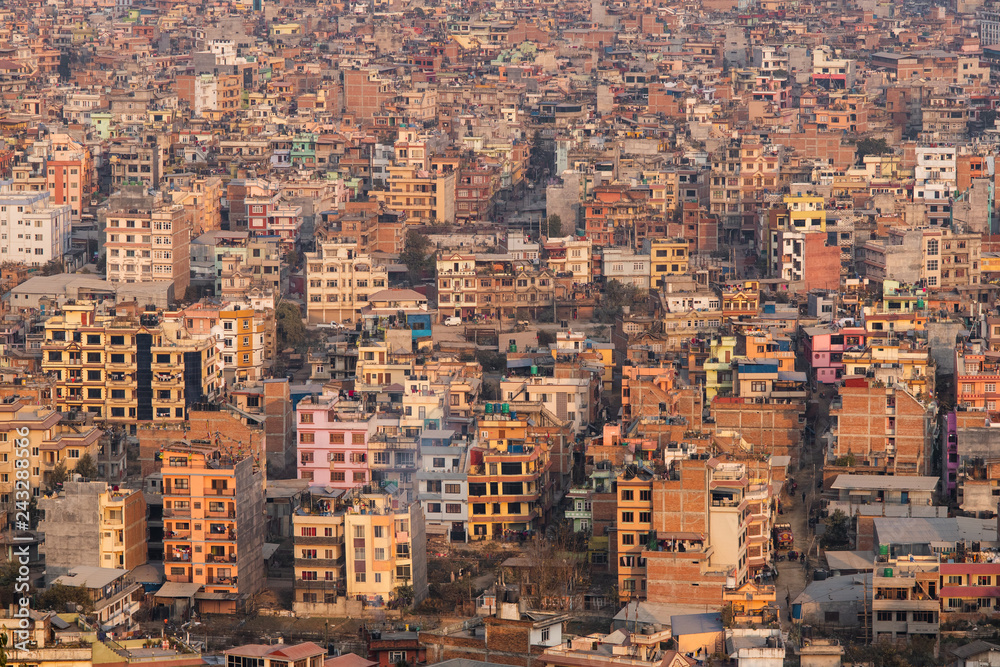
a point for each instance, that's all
(54, 440)
(568, 398)
(339, 281)
(214, 526)
(94, 525)
(667, 257)
(116, 598)
(625, 266)
(879, 428)
(443, 488)
(33, 230)
(147, 239)
(906, 604)
(128, 368)
(387, 550)
(332, 442)
(426, 196)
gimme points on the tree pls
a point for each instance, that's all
(616, 297)
(288, 323)
(837, 533)
(871, 146)
(58, 475)
(86, 468)
(555, 226)
(292, 259)
(58, 595)
(416, 255)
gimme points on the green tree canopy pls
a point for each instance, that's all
(555, 226)
(290, 328)
(417, 255)
(616, 297)
(871, 146)
(58, 595)
(837, 533)
(86, 468)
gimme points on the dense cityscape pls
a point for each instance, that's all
(499, 333)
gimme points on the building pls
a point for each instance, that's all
(332, 442)
(667, 257)
(386, 551)
(306, 654)
(339, 281)
(147, 239)
(213, 521)
(56, 441)
(33, 230)
(443, 488)
(626, 267)
(424, 196)
(880, 428)
(115, 596)
(93, 525)
(906, 601)
(127, 368)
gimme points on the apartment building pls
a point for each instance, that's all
(92, 524)
(127, 368)
(904, 362)
(667, 257)
(977, 374)
(269, 215)
(496, 286)
(443, 489)
(425, 196)
(570, 256)
(885, 428)
(626, 266)
(831, 72)
(54, 440)
(573, 399)
(33, 230)
(905, 598)
(357, 547)
(115, 597)
(339, 281)
(244, 337)
(213, 520)
(147, 239)
(138, 159)
(333, 442)
(508, 476)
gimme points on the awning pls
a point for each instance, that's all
(173, 589)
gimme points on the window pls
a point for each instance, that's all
(627, 517)
(545, 635)
(758, 386)
(628, 539)
(932, 265)
(645, 517)
(359, 532)
(453, 508)
(831, 617)
(379, 553)
(645, 494)
(378, 532)
(627, 494)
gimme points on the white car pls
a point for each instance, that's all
(452, 321)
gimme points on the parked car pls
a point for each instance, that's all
(452, 321)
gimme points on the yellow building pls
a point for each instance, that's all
(52, 439)
(425, 196)
(667, 257)
(507, 484)
(806, 212)
(386, 550)
(127, 368)
(719, 366)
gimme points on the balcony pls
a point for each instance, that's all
(177, 557)
(333, 540)
(320, 562)
(184, 513)
(220, 492)
(221, 537)
(176, 491)
(213, 558)
(922, 628)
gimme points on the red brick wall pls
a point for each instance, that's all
(821, 268)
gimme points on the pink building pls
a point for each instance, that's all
(332, 447)
(825, 350)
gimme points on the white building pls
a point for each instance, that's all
(626, 267)
(443, 490)
(32, 230)
(566, 398)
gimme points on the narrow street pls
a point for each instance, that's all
(794, 576)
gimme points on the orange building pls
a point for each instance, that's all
(213, 520)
